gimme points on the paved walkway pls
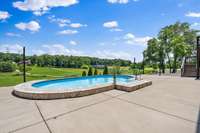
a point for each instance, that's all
(170, 105)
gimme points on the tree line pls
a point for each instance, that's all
(172, 43)
(62, 61)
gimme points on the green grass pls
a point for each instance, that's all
(38, 73)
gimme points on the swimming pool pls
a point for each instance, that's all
(77, 87)
(82, 82)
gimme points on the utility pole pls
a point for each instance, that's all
(198, 56)
(24, 64)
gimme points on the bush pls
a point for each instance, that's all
(84, 66)
(84, 74)
(105, 71)
(90, 73)
(95, 71)
(7, 67)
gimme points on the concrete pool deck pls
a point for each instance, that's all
(170, 105)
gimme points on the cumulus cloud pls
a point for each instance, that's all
(111, 24)
(40, 7)
(112, 54)
(132, 39)
(4, 15)
(11, 48)
(195, 25)
(193, 14)
(120, 1)
(68, 32)
(56, 49)
(13, 34)
(60, 21)
(77, 25)
(32, 26)
(73, 43)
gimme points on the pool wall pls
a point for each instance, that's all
(26, 90)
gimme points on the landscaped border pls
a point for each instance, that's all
(25, 90)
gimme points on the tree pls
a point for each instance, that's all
(105, 71)
(95, 71)
(27, 68)
(7, 67)
(90, 72)
(84, 74)
(172, 44)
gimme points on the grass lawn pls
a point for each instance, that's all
(38, 73)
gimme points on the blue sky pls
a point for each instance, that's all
(100, 28)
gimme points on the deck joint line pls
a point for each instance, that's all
(43, 117)
(150, 108)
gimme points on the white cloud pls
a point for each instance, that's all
(120, 1)
(193, 14)
(32, 26)
(77, 25)
(11, 48)
(195, 26)
(40, 7)
(60, 21)
(12, 34)
(116, 30)
(68, 32)
(111, 24)
(73, 43)
(131, 39)
(56, 49)
(112, 54)
(4, 15)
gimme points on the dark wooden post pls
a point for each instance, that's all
(24, 64)
(198, 56)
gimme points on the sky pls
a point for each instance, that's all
(98, 28)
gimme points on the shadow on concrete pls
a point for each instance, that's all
(198, 123)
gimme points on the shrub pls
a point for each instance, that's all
(90, 73)
(84, 66)
(105, 71)
(7, 67)
(84, 74)
(95, 71)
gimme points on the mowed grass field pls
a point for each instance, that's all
(41, 73)
(38, 73)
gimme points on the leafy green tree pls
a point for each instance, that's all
(7, 67)
(84, 74)
(90, 72)
(95, 71)
(105, 70)
(172, 44)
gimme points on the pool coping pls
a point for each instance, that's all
(26, 90)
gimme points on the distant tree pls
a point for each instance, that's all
(84, 74)
(90, 72)
(95, 71)
(84, 66)
(7, 67)
(27, 68)
(105, 71)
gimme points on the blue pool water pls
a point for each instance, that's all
(81, 82)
